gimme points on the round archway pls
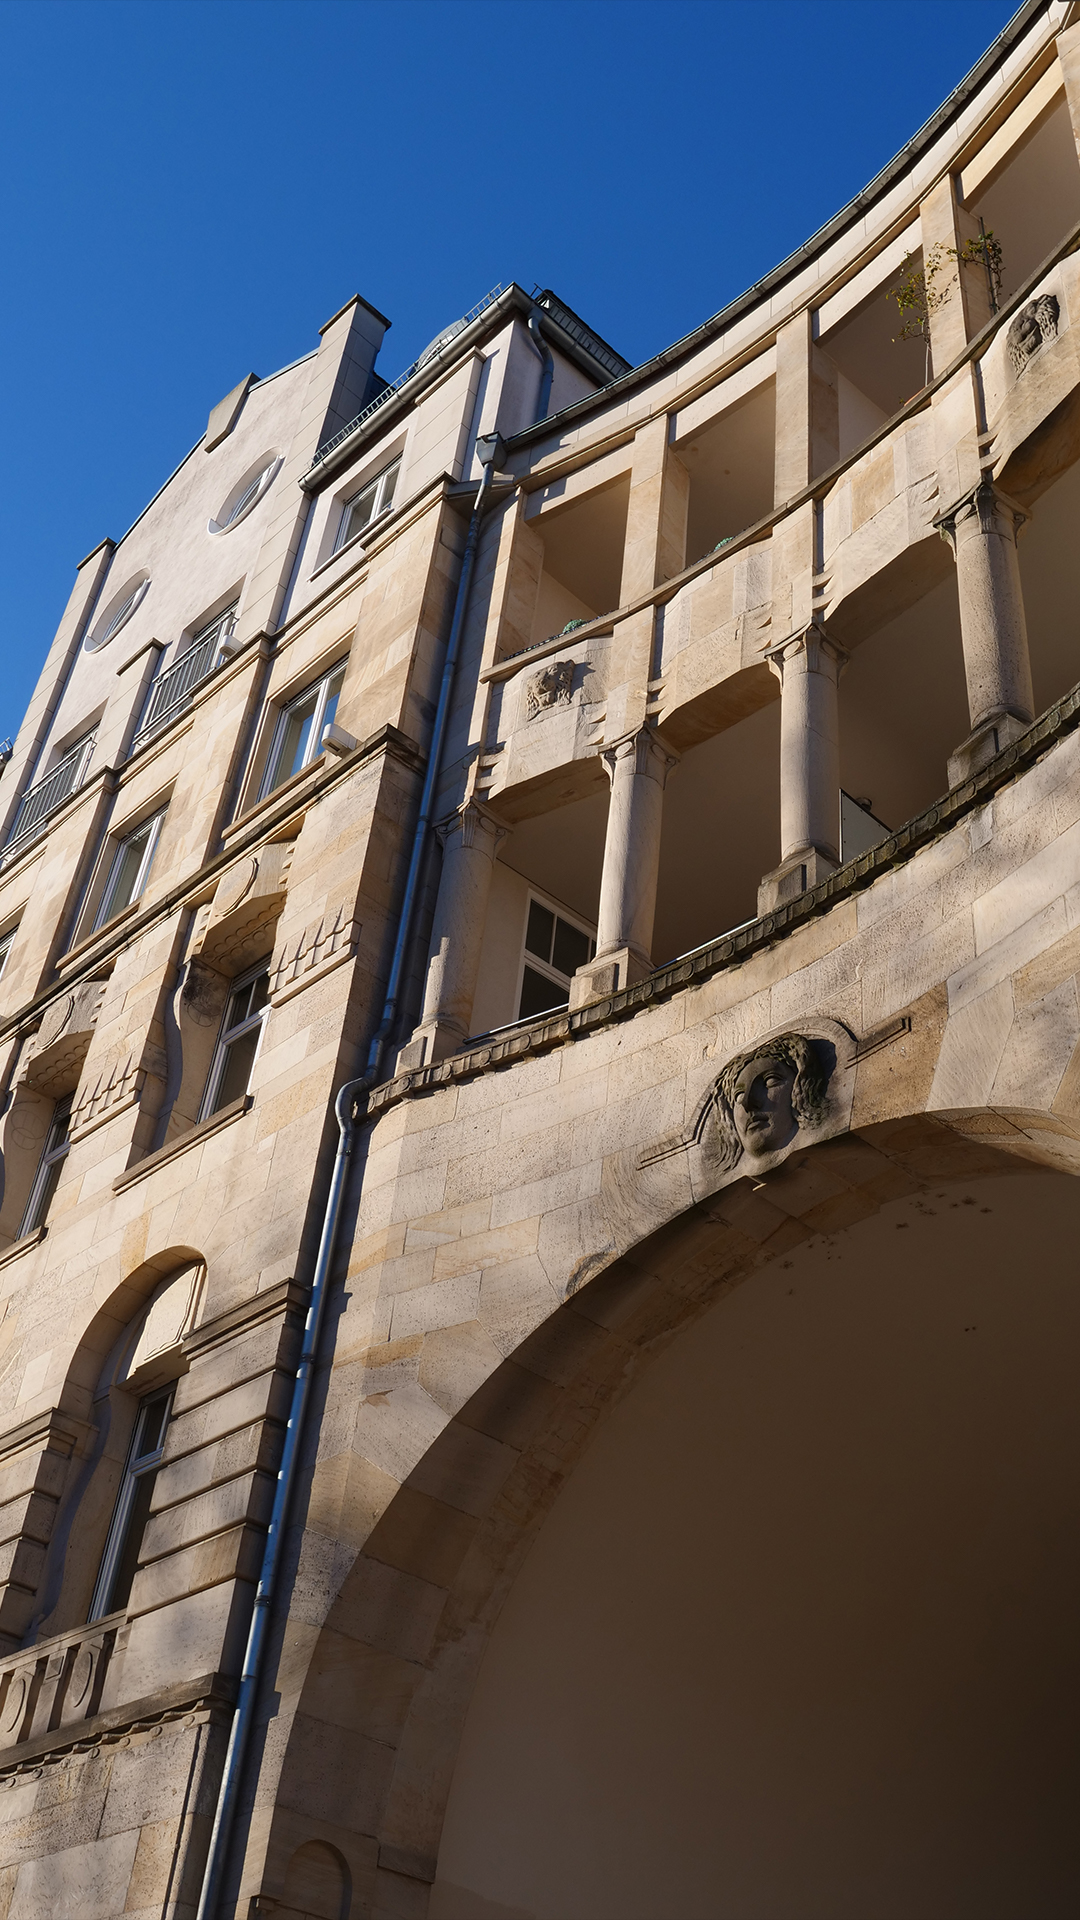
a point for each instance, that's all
(797, 1638)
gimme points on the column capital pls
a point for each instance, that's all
(815, 649)
(650, 755)
(984, 509)
(474, 825)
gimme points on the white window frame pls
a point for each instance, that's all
(228, 1037)
(7, 941)
(137, 1467)
(127, 602)
(321, 688)
(54, 1153)
(545, 967)
(106, 910)
(245, 497)
(380, 484)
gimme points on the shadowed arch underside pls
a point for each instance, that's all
(387, 1681)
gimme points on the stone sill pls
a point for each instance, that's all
(98, 936)
(732, 949)
(23, 1246)
(203, 1131)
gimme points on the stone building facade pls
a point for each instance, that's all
(540, 914)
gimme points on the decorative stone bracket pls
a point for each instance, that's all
(55, 1058)
(247, 902)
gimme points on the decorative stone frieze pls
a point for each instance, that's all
(323, 945)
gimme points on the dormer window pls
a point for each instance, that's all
(374, 498)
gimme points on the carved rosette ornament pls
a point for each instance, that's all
(1034, 325)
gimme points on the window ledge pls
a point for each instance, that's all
(234, 1111)
(294, 789)
(22, 1246)
(83, 948)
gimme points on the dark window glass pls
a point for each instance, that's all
(120, 1562)
(571, 947)
(50, 1167)
(539, 995)
(540, 930)
(128, 1563)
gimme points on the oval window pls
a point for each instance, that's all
(246, 495)
(118, 612)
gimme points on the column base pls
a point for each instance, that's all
(608, 973)
(429, 1045)
(990, 737)
(793, 876)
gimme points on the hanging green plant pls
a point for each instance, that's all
(921, 290)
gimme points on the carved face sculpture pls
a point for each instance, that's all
(761, 1105)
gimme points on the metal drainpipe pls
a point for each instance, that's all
(348, 1111)
(543, 398)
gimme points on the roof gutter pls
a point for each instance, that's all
(839, 222)
(513, 299)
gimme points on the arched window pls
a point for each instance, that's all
(150, 1360)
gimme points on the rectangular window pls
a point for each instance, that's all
(373, 499)
(50, 1167)
(241, 1037)
(7, 941)
(298, 734)
(555, 948)
(130, 869)
(121, 1557)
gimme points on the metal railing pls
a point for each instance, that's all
(429, 353)
(41, 800)
(172, 690)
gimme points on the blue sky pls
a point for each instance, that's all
(191, 187)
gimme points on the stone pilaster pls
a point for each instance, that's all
(638, 766)
(470, 838)
(981, 529)
(808, 667)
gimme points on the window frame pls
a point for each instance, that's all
(377, 484)
(545, 968)
(7, 941)
(228, 1036)
(53, 1154)
(321, 688)
(138, 1466)
(126, 603)
(105, 911)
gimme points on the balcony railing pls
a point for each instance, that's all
(39, 801)
(172, 690)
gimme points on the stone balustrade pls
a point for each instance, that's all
(56, 1684)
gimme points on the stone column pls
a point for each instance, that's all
(807, 409)
(808, 668)
(981, 530)
(961, 288)
(469, 838)
(638, 766)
